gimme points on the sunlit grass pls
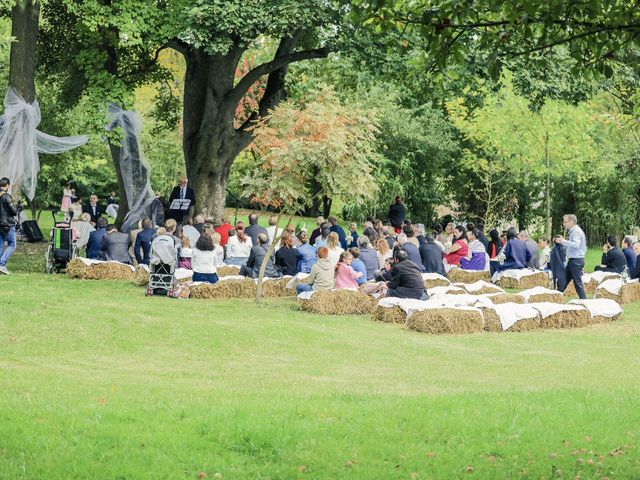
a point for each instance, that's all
(100, 382)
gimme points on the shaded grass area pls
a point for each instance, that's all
(100, 382)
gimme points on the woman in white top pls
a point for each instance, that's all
(219, 251)
(333, 244)
(83, 229)
(203, 260)
(239, 247)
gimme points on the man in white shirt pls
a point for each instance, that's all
(576, 250)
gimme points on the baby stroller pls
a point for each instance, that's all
(61, 249)
(162, 281)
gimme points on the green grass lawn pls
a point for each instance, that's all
(98, 381)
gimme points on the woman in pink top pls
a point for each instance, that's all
(460, 247)
(346, 277)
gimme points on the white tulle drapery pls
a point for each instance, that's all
(21, 142)
(135, 170)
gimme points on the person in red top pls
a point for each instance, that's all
(460, 247)
(223, 230)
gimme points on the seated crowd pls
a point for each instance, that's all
(383, 259)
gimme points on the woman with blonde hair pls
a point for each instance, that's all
(333, 244)
(185, 254)
(384, 252)
(218, 251)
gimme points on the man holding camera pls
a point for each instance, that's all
(8, 212)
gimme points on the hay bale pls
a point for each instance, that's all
(589, 288)
(499, 298)
(492, 322)
(233, 288)
(542, 295)
(338, 302)
(547, 297)
(601, 310)
(468, 276)
(392, 314)
(479, 288)
(448, 290)
(228, 271)
(525, 325)
(436, 282)
(629, 293)
(76, 268)
(141, 277)
(443, 320)
(277, 287)
(603, 319)
(538, 279)
(562, 316)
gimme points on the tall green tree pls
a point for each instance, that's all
(107, 48)
(323, 139)
(555, 140)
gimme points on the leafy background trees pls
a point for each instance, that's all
(504, 112)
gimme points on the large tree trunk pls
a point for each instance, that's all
(211, 142)
(25, 16)
(22, 64)
(123, 205)
(111, 66)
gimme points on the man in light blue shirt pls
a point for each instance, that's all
(307, 254)
(576, 250)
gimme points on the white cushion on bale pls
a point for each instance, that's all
(479, 285)
(600, 307)
(547, 309)
(300, 276)
(444, 290)
(526, 294)
(512, 313)
(614, 285)
(517, 274)
(434, 276)
(600, 276)
(88, 262)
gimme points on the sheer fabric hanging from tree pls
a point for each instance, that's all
(21, 142)
(136, 172)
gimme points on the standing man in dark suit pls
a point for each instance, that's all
(115, 245)
(93, 209)
(182, 192)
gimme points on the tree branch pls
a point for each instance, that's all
(179, 46)
(243, 86)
